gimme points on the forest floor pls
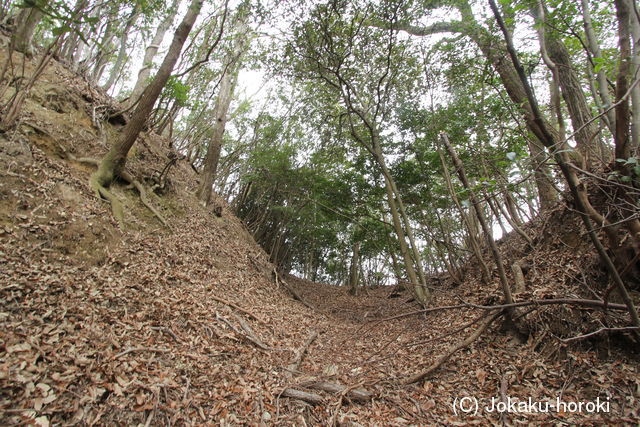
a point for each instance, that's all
(189, 325)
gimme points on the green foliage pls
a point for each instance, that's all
(176, 90)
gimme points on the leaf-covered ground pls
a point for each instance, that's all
(150, 326)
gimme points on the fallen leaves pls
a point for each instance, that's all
(109, 327)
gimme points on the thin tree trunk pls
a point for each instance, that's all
(150, 54)
(506, 289)
(102, 57)
(601, 76)
(635, 73)
(579, 110)
(122, 53)
(422, 294)
(472, 235)
(621, 136)
(221, 111)
(354, 269)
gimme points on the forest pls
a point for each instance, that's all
(319, 212)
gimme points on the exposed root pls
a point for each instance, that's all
(102, 191)
(143, 196)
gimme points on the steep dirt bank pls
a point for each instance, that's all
(148, 325)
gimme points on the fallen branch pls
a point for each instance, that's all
(248, 336)
(296, 296)
(599, 331)
(237, 307)
(352, 393)
(540, 302)
(313, 398)
(518, 276)
(301, 352)
(140, 349)
(452, 350)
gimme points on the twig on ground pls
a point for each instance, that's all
(452, 350)
(166, 331)
(140, 349)
(237, 307)
(313, 398)
(599, 331)
(301, 352)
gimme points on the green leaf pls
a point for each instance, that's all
(60, 30)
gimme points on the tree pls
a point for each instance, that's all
(150, 53)
(26, 23)
(495, 51)
(114, 161)
(232, 63)
(359, 66)
(116, 69)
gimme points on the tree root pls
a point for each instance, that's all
(143, 196)
(102, 191)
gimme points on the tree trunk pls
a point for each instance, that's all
(496, 53)
(150, 54)
(601, 76)
(506, 289)
(577, 188)
(114, 161)
(27, 20)
(579, 110)
(221, 110)
(635, 66)
(117, 66)
(472, 235)
(354, 269)
(102, 57)
(420, 291)
(621, 136)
